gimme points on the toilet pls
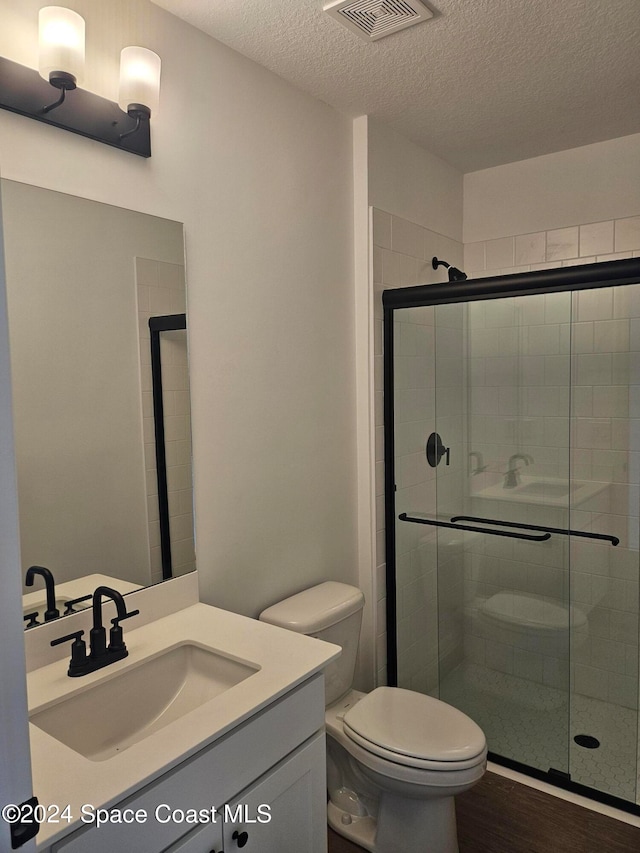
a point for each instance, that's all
(395, 758)
(532, 622)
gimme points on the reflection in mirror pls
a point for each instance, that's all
(171, 412)
(83, 278)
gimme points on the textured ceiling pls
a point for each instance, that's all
(484, 82)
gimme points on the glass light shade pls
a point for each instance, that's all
(139, 78)
(60, 42)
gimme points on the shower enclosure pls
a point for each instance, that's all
(512, 467)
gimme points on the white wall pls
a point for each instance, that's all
(261, 176)
(409, 182)
(589, 184)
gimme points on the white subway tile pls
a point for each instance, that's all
(499, 253)
(577, 262)
(530, 248)
(562, 243)
(381, 229)
(532, 310)
(408, 271)
(615, 256)
(160, 300)
(595, 304)
(627, 234)
(377, 265)
(171, 276)
(611, 336)
(147, 272)
(596, 238)
(557, 307)
(178, 301)
(593, 369)
(390, 268)
(582, 337)
(547, 265)
(544, 340)
(556, 370)
(407, 237)
(582, 402)
(474, 256)
(143, 298)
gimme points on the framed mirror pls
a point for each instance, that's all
(83, 281)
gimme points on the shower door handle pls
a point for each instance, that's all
(453, 526)
(561, 531)
(435, 450)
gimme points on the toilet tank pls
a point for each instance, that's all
(331, 611)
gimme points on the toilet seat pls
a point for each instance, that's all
(414, 730)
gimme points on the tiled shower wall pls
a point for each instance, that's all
(580, 244)
(402, 253)
(161, 290)
(604, 343)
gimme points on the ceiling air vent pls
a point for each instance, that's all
(374, 19)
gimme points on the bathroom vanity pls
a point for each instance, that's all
(208, 737)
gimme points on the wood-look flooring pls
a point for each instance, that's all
(503, 816)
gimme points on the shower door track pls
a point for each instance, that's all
(581, 277)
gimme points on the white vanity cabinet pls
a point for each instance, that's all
(275, 759)
(292, 797)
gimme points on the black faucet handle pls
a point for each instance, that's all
(69, 605)
(31, 619)
(78, 652)
(115, 622)
(116, 641)
(76, 637)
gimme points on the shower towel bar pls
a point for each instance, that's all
(560, 530)
(404, 517)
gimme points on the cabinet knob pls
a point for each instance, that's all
(240, 838)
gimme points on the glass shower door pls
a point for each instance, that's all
(516, 457)
(504, 615)
(605, 449)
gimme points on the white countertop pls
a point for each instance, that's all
(62, 776)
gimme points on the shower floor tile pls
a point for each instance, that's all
(528, 722)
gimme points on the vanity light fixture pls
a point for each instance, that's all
(60, 49)
(139, 84)
(61, 66)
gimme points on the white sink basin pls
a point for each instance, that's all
(117, 712)
(547, 491)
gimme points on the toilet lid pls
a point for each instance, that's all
(410, 725)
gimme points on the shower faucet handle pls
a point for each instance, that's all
(435, 450)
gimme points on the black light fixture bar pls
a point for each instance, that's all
(23, 91)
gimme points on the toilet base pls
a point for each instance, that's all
(360, 830)
(402, 825)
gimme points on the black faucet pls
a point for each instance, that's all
(511, 476)
(100, 654)
(52, 611)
